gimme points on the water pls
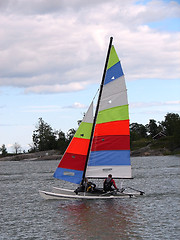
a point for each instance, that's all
(25, 215)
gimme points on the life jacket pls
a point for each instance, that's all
(108, 183)
(90, 187)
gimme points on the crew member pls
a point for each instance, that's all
(86, 187)
(109, 183)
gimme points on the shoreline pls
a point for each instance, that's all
(56, 155)
(37, 156)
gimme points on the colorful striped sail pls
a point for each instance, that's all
(110, 151)
(71, 166)
(101, 144)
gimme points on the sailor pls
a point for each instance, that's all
(89, 186)
(86, 186)
(108, 183)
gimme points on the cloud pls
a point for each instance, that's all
(49, 108)
(42, 7)
(60, 46)
(154, 104)
(57, 88)
(76, 105)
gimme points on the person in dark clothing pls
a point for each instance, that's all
(89, 186)
(109, 183)
(86, 187)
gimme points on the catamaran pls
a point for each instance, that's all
(101, 144)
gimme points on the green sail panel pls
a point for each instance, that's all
(84, 131)
(113, 114)
(113, 58)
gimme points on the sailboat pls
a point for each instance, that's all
(101, 144)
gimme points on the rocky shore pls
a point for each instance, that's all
(37, 156)
(148, 151)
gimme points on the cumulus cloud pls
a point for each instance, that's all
(60, 46)
(44, 6)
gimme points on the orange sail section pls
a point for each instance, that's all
(112, 128)
(78, 146)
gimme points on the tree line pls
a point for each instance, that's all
(45, 138)
(167, 132)
(169, 128)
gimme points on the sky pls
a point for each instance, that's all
(52, 56)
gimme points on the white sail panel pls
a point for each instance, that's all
(114, 87)
(114, 101)
(89, 115)
(114, 94)
(103, 171)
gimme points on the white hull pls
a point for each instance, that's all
(60, 193)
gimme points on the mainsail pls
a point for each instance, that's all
(109, 151)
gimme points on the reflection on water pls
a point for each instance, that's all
(25, 215)
(98, 219)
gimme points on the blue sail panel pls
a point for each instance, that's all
(113, 73)
(69, 175)
(112, 157)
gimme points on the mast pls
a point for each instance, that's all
(97, 108)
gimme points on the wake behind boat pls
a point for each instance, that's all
(101, 145)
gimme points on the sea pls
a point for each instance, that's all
(155, 215)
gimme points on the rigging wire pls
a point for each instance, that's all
(95, 94)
